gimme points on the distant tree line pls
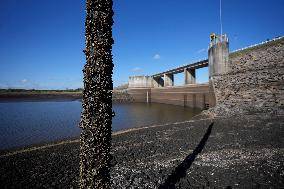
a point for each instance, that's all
(41, 91)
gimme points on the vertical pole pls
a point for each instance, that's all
(147, 97)
(96, 117)
(221, 19)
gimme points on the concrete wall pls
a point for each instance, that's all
(254, 82)
(188, 95)
(140, 82)
(218, 58)
(139, 94)
(251, 81)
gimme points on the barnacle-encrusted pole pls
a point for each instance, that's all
(96, 118)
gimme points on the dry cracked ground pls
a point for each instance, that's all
(237, 152)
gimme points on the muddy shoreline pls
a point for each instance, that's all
(118, 96)
(28, 96)
(240, 152)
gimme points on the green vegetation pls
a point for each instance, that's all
(39, 91)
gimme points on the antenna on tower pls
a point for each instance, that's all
(221, 17)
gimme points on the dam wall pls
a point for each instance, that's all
(139, 94)
(254, 81)
(195, 95)
(249, 80)
(140, 81)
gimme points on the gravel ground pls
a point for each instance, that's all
(237, 152)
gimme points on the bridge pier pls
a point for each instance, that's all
(168, 80)
(189, 76)
(158, 82)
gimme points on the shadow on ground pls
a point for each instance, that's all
(180, 170)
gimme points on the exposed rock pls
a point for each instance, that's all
(253, 84)
(240, 152)
(121, 96)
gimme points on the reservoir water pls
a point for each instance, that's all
(26, 123)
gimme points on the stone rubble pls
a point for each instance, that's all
(253, 84)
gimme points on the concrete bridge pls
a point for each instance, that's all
(165, 79)
(160, 87)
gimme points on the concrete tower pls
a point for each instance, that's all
(218, 58)
(218, 55)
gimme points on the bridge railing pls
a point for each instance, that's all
(182, 66)
(225, 38)
(261, 43)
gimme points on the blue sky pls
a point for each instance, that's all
(41, 42)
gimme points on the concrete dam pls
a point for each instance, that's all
(160, 87)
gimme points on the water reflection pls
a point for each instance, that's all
(25, 123)
(141, 114)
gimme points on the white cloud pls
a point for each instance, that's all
(156, 56)
(201, 50)
(23, 81)
(137, 69)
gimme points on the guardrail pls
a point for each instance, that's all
(206, 59)
(264, 42)
(199, 63)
